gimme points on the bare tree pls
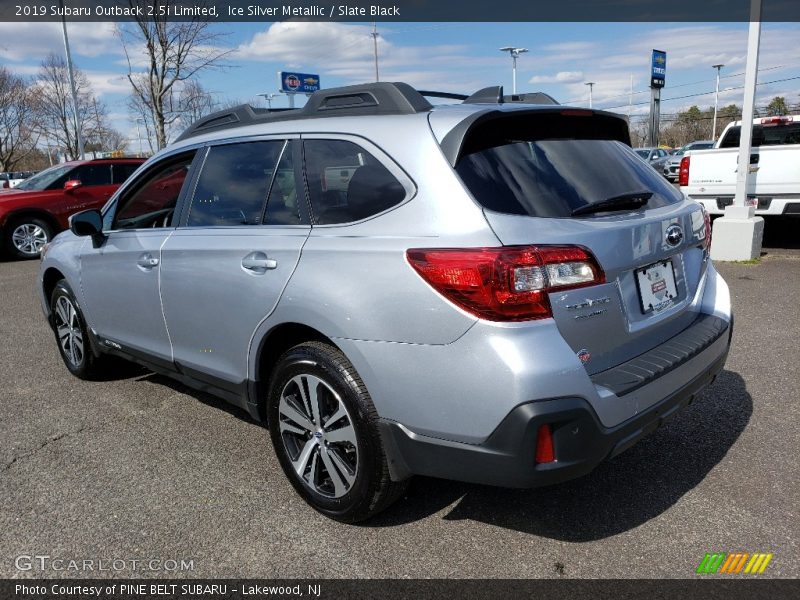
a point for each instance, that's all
(142, 118)
(56, 112)
(638, 128)
(195, 102)
(17, 138)
(161, 54)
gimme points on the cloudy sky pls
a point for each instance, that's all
(456, 57)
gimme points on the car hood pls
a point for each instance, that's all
(9, 195)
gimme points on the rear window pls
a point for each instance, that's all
(553, 177)
(764, 135)
(346, 183)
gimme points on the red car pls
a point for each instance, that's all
(38, 208)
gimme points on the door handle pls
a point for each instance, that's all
(258, 262)
(147, 261)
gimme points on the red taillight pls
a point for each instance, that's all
(775, 120)
(707, 227)
(505, 284)
(545, 452)
(683, 172)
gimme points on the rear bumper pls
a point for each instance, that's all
(581, 441)
(767, 205)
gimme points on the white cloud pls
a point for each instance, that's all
(108, 83)
(34, 41)
(347, 51)
(560, 77)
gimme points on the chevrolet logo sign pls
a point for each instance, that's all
(660, 59)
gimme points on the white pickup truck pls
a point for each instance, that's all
(709, 176)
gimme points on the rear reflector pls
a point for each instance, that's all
(545, 452)
(505, 284)
(683, 173)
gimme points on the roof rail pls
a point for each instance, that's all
(380, 98)
(448, 95)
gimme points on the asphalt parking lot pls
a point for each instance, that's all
(140, 467)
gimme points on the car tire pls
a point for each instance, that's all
(72, 335)
(25, 237)
(324, 429)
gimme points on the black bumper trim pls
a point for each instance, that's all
(641, 370)
(506, 458)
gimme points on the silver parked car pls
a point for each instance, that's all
(655, 157)
(401, 289)
(673, 162)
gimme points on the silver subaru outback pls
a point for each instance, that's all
(495, 290)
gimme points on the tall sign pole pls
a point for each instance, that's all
(739, 233)
(750, 76)
(658, 75)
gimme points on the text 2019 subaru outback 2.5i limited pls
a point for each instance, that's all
(489, 291)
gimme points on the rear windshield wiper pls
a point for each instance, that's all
(631, 200)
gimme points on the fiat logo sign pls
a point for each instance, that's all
(292, 82)
(674, 235)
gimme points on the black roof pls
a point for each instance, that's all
(380, 98)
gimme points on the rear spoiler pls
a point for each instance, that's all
(482, 129)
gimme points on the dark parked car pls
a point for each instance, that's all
(37, 208)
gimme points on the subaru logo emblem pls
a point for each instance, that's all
(674, 235)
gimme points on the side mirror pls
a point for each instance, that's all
(88, 222)
(72, 185)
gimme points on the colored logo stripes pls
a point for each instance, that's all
(735, 562)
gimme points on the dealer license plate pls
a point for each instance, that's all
(656, 284)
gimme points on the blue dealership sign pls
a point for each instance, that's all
(659, 69)
(299, 83)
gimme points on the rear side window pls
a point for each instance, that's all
(120, 172)
(765, 135)
(553, 177)
(233, 185)
(90, 175)
(346, 183)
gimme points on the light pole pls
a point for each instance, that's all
(268, 97)
(514, 52)
(716, 103)
(591, 86)
(79, 137)
(139, 135)
(374, 35)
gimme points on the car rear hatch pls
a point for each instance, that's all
(541, 176)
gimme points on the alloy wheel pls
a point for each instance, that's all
(318, 435)
(29, 238)
(69, 332)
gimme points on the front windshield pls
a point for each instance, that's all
(643, 153)
(43, 180)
